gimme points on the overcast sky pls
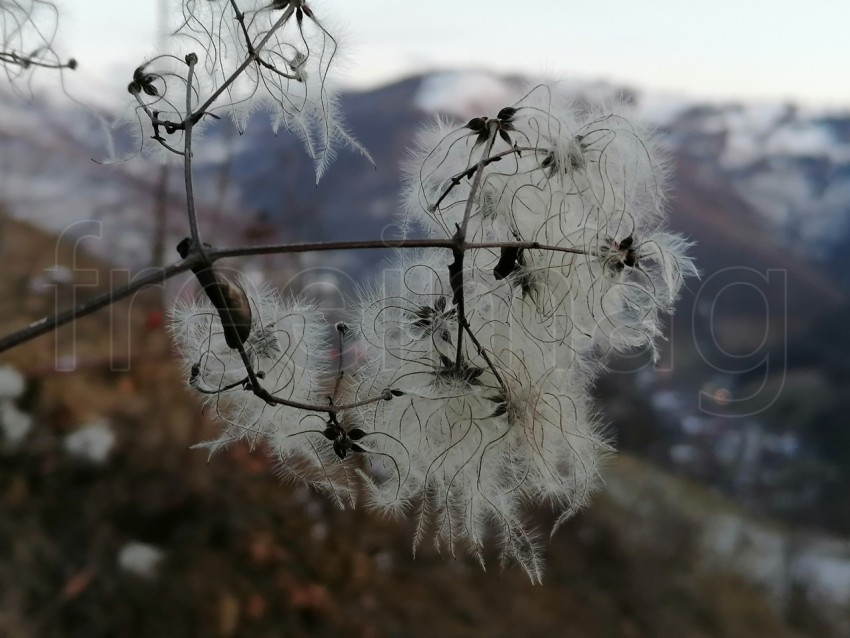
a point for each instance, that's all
(721, 49)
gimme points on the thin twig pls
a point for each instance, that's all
(282, 249)
(377, 244)
(340, 372)
(485, 356)
(25, 62)
(257, 48)
(191, 60)
(455, 180)
(240, 18)
(252, 51)
(48, 324)
(271, 399)
(456, 269)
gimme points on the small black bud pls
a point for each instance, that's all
(477, 124)
(500, 410)
(184, 247)
(191, 59)
(507, 262)
(507, 113)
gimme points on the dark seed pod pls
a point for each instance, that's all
(330, 433)
(477, 124)
(456, 278)
(397, 393)
(231, 302)
(239, 307)
(507, 113)
(501, 410)
(356, 434)
(626, 243)
(507, 262)
(473, 373)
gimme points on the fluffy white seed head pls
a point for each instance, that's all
(278, 59)
(287, 350)
(506, 420)
(471, 399)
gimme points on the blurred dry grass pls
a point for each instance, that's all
(247, 556)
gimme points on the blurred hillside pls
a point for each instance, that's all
(112, 526)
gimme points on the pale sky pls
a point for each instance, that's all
(718, 49)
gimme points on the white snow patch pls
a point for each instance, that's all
(11, 383)
(15, 424)
(92, 443)
(806, 140)
(140, 559)
(464, 94)
(660, 109)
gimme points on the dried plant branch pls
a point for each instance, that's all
(50, 323)
(27, 61)
(191, 61)
(211, 255)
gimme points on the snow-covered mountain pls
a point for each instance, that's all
(791, 165)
